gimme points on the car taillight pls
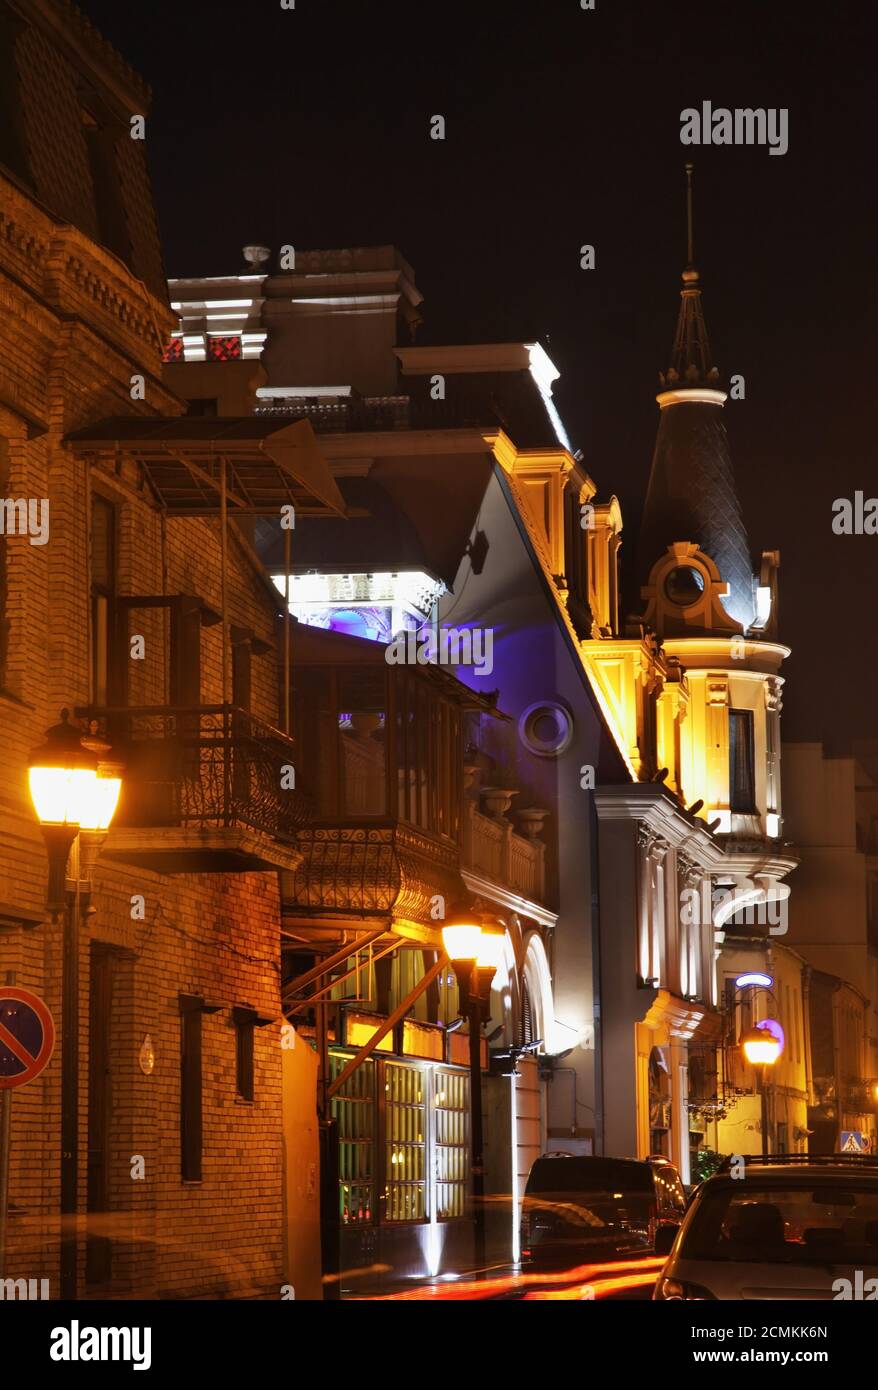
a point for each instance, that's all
(674, 1290)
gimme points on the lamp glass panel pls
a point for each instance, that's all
(762, 1051)
(461, 940)
(61, 795)
(102, 802)
(492, 950)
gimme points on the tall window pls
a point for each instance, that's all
(451, 1109)
(353, 1109)
(103, 593)
(405, 1187)
(742, 787)
(101, 135)
(190, 1087)
(427, 738)
(13, 145)
(245, 1027)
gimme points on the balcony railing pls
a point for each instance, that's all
(205, 767)
(491, 847)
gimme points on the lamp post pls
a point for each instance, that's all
(762, 1049)
(70, 792)
(475, 952)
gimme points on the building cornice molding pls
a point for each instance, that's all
(684, 395)
(646, 802)
(504, 897)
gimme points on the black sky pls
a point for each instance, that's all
(311, 127)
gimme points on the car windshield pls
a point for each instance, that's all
(589, 1175)
(797, 1221)
(590, 1198)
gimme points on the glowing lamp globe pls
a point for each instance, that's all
(71, 791)
(62, 776)
(99, 806)
(760, 1047)
(462, 940)
(492, 950)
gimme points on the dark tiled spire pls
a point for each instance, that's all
(692, 494)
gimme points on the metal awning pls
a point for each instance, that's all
(268, 464)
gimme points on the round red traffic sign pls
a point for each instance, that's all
(27, 1036)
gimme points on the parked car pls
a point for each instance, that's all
(578, 1210)
(792, 1226)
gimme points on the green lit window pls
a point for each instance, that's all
(354, 1110)
(450, 1111)
(405, 1122)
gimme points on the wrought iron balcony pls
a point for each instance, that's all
(205, 788)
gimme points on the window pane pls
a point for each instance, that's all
(362, 740)
(741, 782)
(353, 1108)
(405, 1120)
(451, 1151)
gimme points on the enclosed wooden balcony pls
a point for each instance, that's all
(381, 753)
(207, 788)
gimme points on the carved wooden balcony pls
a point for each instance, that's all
(205, 789)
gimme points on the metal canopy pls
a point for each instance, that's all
(267, 464)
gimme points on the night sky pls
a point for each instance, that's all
(311, 127)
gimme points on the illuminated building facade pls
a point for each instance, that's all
(695, 693)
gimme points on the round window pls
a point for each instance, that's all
(684, 585)
(546, 729)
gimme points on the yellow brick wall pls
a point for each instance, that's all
(73, 328)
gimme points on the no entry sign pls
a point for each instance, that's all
(27, 1036)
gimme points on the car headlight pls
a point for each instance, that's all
(674, 1290)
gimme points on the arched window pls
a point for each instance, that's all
(659, 1103)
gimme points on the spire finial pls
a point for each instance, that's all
(691, 363)
(690, 247)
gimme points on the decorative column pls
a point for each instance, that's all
(773, 707)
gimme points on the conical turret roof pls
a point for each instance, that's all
(692, 494)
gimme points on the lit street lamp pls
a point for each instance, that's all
(71, 791)
(475, 951)
(762, 1047)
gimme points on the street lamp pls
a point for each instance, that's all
(761, 1047)
(71, 791)
(476, 951)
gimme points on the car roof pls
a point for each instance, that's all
(781, 1175)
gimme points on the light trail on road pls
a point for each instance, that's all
(610, 1277)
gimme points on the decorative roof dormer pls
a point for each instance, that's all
(687, 596)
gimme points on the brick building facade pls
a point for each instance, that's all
(84, 313)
